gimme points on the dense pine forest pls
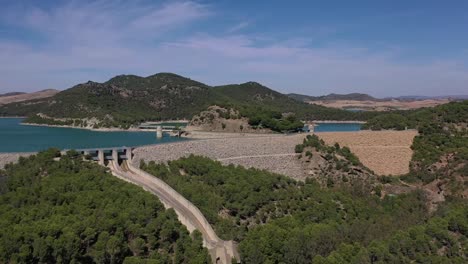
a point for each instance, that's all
(279, 220)
(65, 210)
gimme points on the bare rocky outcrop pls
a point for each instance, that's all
(333, 165)
(219, 119)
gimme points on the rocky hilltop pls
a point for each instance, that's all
(219, 119)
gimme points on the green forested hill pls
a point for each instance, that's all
(254, 97)
(128, 99)
(279, 220)
(72, 211)
(124, 100)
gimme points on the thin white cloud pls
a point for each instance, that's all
(322, 70)
(238, 27)
(171, 15)
(106, 21)
(94, 41)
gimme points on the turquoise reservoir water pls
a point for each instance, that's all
(337, 127)
(15, 137)
(354, 110)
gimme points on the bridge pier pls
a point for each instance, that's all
(101, 157)
(85, 154)
(115, 155)
(159, 132)
(128, 153)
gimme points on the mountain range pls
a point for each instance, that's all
(366, 97)
(11, 94)
(126, 100)
(333, 96)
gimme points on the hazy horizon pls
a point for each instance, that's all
(287, 92)
(381, 49)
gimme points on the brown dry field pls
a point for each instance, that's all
(382, 105)
(384, 152)
(27, 96)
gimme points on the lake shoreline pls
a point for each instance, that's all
(105, 129)
(110, 129)
(336, 122)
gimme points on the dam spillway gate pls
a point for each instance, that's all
(104, 155)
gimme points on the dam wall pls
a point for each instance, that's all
(189, 215)
(211, 235)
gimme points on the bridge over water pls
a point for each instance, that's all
(119, 160)
(165, 126)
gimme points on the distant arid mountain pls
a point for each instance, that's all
(13, 97)
(421, 97)
(333, 96)
(11, 94)
(365, 102)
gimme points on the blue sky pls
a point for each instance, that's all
(384, 48)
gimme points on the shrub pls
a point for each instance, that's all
(299, 148)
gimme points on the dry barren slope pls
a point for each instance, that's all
(27, 96)
(384, 152)
(381, 105)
